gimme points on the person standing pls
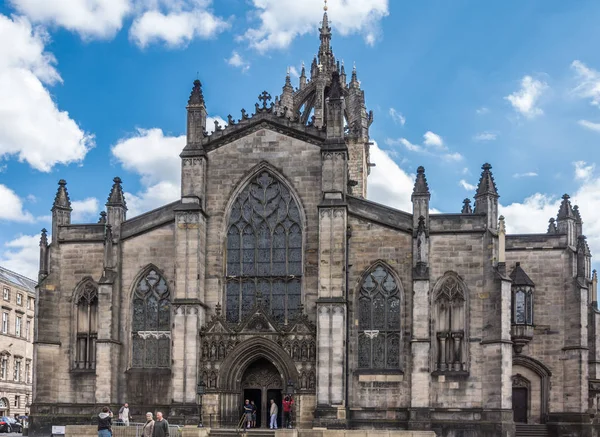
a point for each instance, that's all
(105, 422)
(288, 404)
(273, 412)
(124, 415)
(248, 413)
(161, 426)
(148, 429)
(253, 405)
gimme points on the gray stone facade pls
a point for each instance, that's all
(274, 274)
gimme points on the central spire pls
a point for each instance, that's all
(325, 54)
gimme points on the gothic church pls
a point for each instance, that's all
(273, 274)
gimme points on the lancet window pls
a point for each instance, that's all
(87, 326)
(264, 251)
(151, 323)
(522, 306)
(449, 317)
(379, 312)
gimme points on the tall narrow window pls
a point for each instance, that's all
(18, 321)
(28, 372)
(264, 251)
(151, 326)
(4, 367)
(17, 374)
(28, 330)
(5, 323)
(450, 340)
(87, 327)
(379, 306)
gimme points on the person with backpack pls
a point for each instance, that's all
(105, 422)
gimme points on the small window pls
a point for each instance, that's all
(28, 330)
(6, 294)
(4, 367)
(18, 321)
(29, 303)
(18, 401)
(5, 323)
(28, 373)
(17, 370)
(19, 299)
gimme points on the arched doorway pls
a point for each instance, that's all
(521, 388)
(261, 383)
(4, 407)
(531, 390)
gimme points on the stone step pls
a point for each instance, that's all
(232, 432)
(523, 430)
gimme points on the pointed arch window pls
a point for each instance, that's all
(379, 325)
(449, 318)
(87, 326)
(264, 251)
(151, 325)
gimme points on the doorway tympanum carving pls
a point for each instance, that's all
(261, 383)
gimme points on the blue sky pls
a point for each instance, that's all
(94, 89)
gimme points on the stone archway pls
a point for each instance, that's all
(262, 382)
(532, 379)
(240, 367)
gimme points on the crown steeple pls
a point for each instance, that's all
(326, 59)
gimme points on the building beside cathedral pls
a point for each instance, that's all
(273, 274)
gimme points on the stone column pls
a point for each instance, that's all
(107, 345)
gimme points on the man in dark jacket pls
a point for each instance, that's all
(161, 426)
(105, 422)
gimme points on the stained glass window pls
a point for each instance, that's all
(151, 322)
(379, 321)
(87, 326)
(264, 251)
(523, 306)
(449, 308)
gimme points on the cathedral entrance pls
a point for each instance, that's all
(261, 383)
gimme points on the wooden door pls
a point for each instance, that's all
(519, 403)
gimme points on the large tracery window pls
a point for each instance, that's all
(151, 326)
(264, 251)
(379, 305)
(450, 342)
(87, 327)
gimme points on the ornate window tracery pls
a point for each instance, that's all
(379, 335)
(264, 251)
(87, 327)
(151, 323)
(449, 316)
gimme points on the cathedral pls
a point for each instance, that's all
(274, 275)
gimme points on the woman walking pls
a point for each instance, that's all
(148, 429)
(105, 422)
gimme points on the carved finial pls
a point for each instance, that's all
(230, 120)
(421, 186)
(264, 96)
(61, 200)
(421, 226)
(466, 209)
(552, 226)
(566, 210)
(102, 218)
(244, 115)
(325, 7)
(577, 214)
(196, 97)
(487, 185)
(501, 225)
(218, 309)
(44, 238)
(116, 196)
(217, 126)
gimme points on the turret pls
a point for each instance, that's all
(486, 198)
(196, 116)
(61, 209)
(43, 272)
(420, 199)
(287, 97)
(343, 77)
(594, 288)
(584, 261)
(325, 52)
(466, 209)
(116, 207)
(302, 77)
(566, 220)
(354, 79)
(578, 222)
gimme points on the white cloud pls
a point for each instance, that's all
(283, 20)
(589, 82)
(529, 174)
(467, 186)
(589, 125)
(237, 61)
(89, 18)
(22, 255)
(481, 111)
(84, 210)
(11, 207)
(584, 172)
(485, 136)
(153, 196)
(176, 27)
(525, 100)
(404, 142)
(433, 140)
(397, 117)
(388, 183)
(32, 128)
(454, 157)
(294, 72)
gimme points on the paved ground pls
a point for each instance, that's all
(12, 434)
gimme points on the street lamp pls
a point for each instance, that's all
(200, 392)
(290, 392)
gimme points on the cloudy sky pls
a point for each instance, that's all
(92, 89)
